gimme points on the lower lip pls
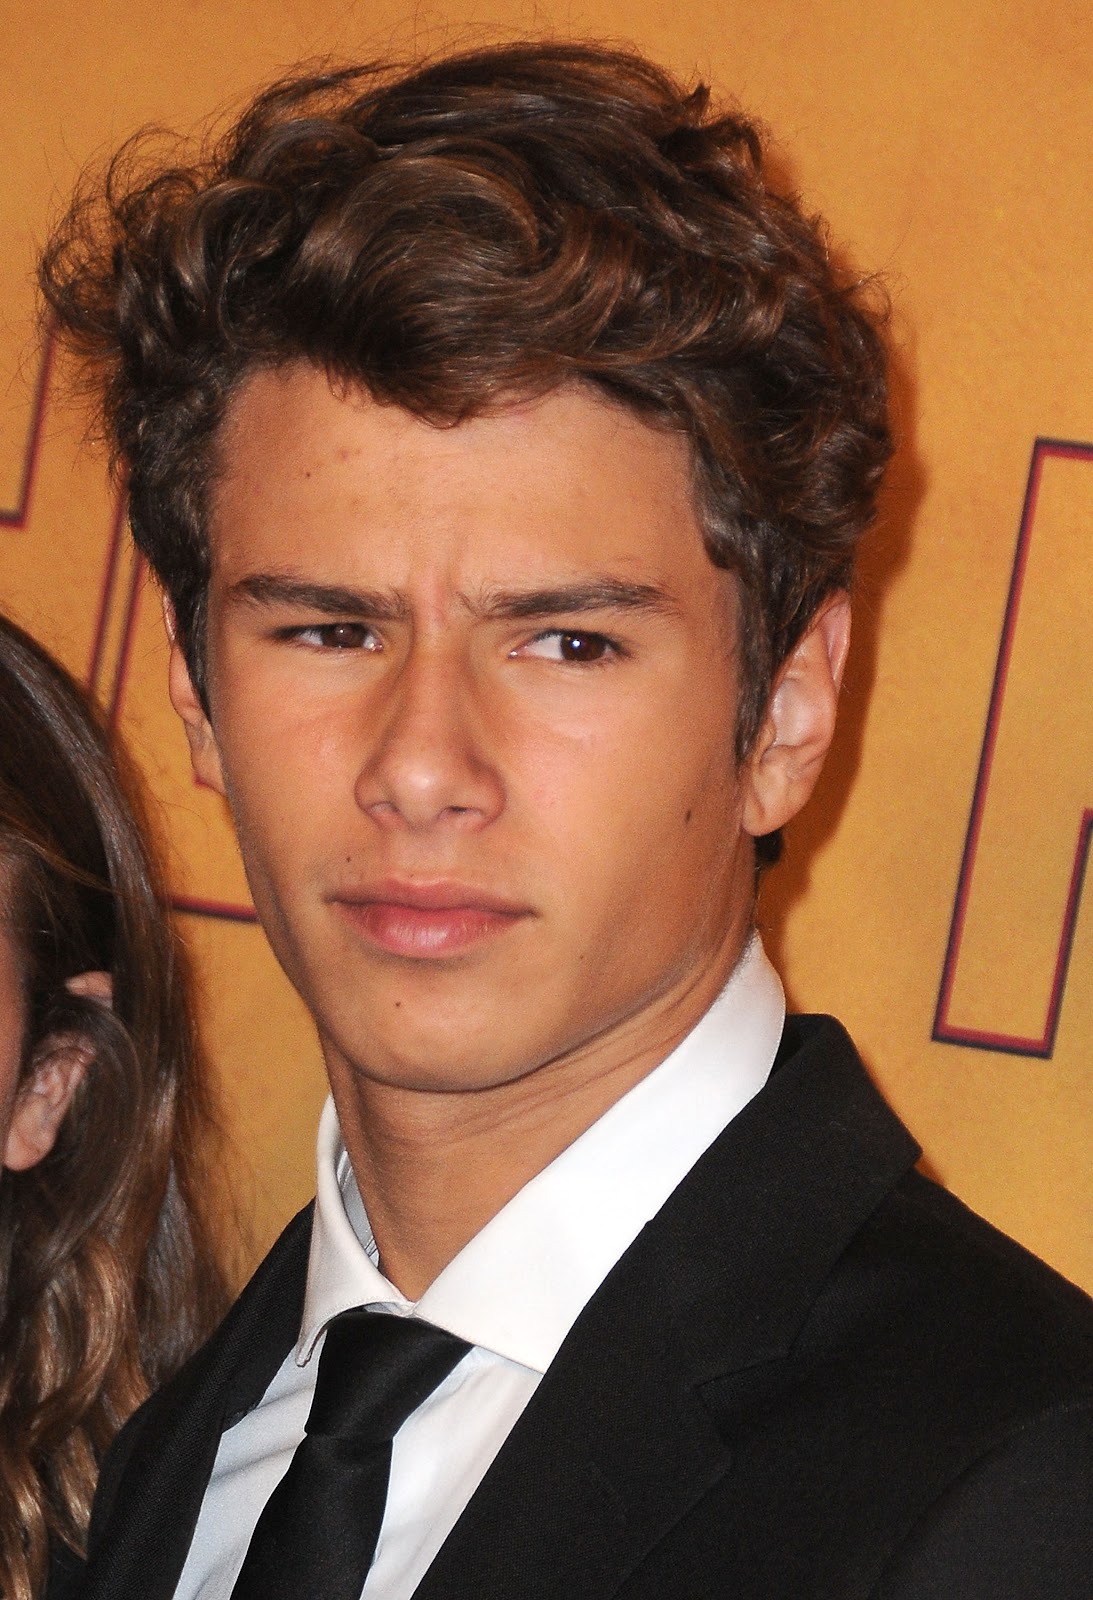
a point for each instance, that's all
(426, 931)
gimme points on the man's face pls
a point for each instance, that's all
(472, 701)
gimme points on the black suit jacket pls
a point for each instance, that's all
(814, 1374)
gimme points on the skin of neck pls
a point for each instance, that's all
(434, 1168)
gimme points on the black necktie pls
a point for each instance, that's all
(317, 1534)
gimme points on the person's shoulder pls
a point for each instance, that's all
(930, 1211)
(968, 1309)
(1015, 1524)
(225, 1376)
(951, 1371)
(65, 1572)
(962, 1350)
(269, 1306)
(924, 1264)
(1025, 1316)
(993, 1405)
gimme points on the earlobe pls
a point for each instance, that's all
(204, 753)
(42, 1105)
(799, 725)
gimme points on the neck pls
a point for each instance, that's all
(434, 1167)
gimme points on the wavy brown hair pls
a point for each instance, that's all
(108, 1275)
(481, 229)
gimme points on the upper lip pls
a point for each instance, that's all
(436, 894)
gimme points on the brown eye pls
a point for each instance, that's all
(345, 635)
(338, 636)
(582, 646)
(571, 646)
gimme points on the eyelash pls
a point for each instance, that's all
(312, 635)
(610, 649)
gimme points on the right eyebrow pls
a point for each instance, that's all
(328, 600)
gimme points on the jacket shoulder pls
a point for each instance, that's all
(1016, 1525)
(223, 1379)
(1029, 1330)
(964, 1382)
(938, 1369)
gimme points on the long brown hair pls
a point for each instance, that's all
(108, 1277)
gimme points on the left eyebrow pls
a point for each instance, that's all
(598, 594)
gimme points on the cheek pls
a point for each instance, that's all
(282, 777)
(11, 1051)
(654, 804)
(10, 1057)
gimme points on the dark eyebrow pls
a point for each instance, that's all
(599, 594)
(329, 600)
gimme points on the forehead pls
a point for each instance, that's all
(314, 474)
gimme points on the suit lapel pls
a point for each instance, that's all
(622, 1436)
(161, 1463)
(584, 1483)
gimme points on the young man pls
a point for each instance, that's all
(502, 442)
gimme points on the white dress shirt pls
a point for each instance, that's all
(513, 1293)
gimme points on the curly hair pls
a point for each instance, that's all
(483, 229)
(108, 1274)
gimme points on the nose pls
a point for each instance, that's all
(428, 763)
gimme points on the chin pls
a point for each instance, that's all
(433, 1074)
(437, 1056)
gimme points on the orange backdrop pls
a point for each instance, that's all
(932, 897)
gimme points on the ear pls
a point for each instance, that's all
(93, 986)
(785, 761)
(204, 753)
(42, 1104)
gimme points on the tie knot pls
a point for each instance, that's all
(374, 1370)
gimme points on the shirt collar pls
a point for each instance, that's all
(559, 1237)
